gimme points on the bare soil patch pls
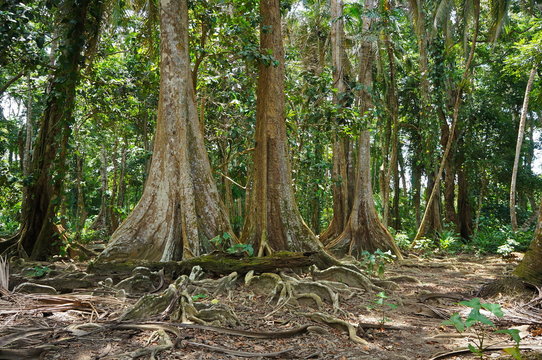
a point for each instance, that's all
(254, 321)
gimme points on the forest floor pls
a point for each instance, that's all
(84, 324)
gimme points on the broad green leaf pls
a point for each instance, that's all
(476, 317)
(514, 334)
(495, 309)
(473, 303)
(473, 349)
(455, 321)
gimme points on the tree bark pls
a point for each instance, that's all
(521, 132)
(180, 209)
(39, 209)
(341, 146)
(530, 267)
(273, 221)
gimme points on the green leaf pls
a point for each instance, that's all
(473, 349)
(473, 303)
(476, 317)
(514, 334)
(514, 352)
(455, 321)
(495, 309)
(216, 240)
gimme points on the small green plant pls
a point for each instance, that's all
(221, 241)
(449, 241)
(403, 241)
(199, 297)
(423, 245)
(481, 325)
(241, 248)
(375, 263)
(38, 271)
(381, 306)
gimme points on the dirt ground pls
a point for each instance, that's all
(84, 325)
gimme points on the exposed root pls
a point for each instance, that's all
(405, 278)
(164, 342)
(386, 284)
(337, 323)
(176, 303)
(346, 275)
(510, 286)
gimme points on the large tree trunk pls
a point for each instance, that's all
(364, 230)
(40, 207)
(341, 145)
(530, 268)
(273, 221)
(521, 131)
(180, 210)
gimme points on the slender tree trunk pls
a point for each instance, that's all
(434, 223)
(483, 185)
(393, 165)
(273, 221)
(416, 191)
(27, 152)
(180, 209)
(521, 131)
(38, 231)
(80, 212)
(449, 172)
(341, 145)
(121, 199)
(103, 219)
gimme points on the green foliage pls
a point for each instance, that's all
(198, 297)
(224, 243)
(37, 271)
(480, 324)
(494, 237)
(375, 263)
(241, 248)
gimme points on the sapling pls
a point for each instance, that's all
(481, 325)
(381, 306)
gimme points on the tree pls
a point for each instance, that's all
(521, 133)
(273, 221)
(180, 210)
(364, 230)
(342, 147)
(80, 23)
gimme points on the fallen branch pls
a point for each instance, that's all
(217, 263)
